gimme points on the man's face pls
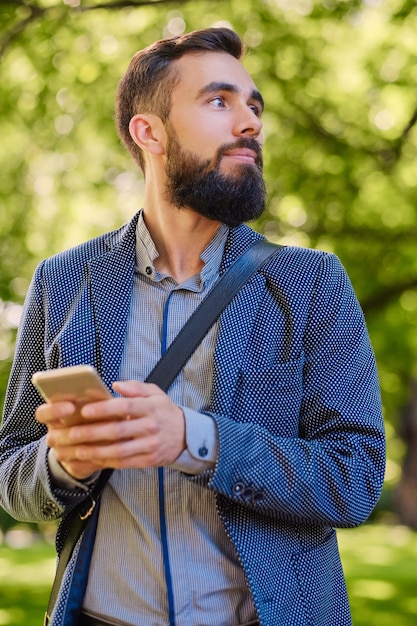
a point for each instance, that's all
(214, 158)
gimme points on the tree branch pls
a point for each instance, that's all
(384, 297)
(369, 235)
(388, 155)
(39, 12)
(124, 4)
(391, 155)
(18, 3)
(19, 27)
(412, 122)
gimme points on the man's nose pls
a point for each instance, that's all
(248, 123)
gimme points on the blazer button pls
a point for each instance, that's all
(258, 496)
(238, 488)
(248, 493)
(50, 509)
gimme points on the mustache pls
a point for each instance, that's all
(243, 142)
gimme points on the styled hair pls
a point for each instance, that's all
(147, 85)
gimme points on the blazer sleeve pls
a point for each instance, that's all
(329, 468)
(26, 489)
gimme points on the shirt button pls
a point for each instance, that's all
(148, 270)
(203, 451)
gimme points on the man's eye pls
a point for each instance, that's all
(217, 101)
(256, 109)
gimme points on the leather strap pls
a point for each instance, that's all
(165, 372)
(86, 620)
(203, 318)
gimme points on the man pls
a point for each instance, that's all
(225, 492)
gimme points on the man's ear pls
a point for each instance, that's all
(148, 132)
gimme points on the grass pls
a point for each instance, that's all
(26, 576)
(380, 567)
(379, 562)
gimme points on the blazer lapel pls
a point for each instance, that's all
(111, 278)
(235, 324)
(234, 330)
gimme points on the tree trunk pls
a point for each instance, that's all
(405, 500)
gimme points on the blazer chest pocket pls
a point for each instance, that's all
(271, 396)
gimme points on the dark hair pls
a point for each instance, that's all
(149, 80)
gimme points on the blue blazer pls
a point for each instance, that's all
(295, 398)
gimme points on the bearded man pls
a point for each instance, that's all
(226, 490)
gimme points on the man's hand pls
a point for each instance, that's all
(144, 428)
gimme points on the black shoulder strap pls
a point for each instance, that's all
(203, 318)
(167, 369)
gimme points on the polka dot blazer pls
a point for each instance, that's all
(295, 398)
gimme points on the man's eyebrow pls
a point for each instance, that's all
(220, 86)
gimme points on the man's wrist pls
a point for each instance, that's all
(201, 441)
(63, 480)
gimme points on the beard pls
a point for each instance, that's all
(229, 198)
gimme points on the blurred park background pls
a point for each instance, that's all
(339, 78)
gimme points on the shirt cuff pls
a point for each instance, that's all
(201, 439)
(63, 480)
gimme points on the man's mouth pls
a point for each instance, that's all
(244, 155)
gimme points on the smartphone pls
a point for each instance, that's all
(78, 383)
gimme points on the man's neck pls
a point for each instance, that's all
(180, 236)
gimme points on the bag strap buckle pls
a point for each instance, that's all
(89, 511)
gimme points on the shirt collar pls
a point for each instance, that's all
(146, 253)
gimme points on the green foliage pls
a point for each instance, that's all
(341, 143)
